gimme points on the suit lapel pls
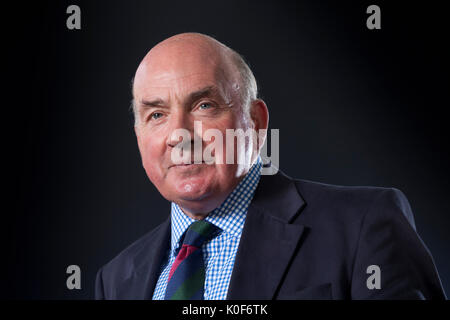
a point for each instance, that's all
(268, 241)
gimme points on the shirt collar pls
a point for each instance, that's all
(229, 216)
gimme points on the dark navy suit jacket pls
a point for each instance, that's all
(302, 240)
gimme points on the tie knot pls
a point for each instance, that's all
(199, 232)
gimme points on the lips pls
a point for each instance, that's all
(186, 165)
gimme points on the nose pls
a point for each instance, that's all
(181, 128)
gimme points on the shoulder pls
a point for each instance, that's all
(125, 261)
(118, 279)
(314, 190)
(354, 202)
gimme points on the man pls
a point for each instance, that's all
(261, 236)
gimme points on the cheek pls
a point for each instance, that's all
(152, 152)
(230, 146)
(226, 172)
(216, 141)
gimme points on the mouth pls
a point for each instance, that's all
(189, 165)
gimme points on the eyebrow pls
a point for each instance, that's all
(192, 97)
(208, 91)
(153, 103)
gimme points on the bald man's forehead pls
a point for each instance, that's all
(176, 86)
(183, 55)
(176, 60)
(189, 49)
(178, 72)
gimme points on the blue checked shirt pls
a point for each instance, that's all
(220, 252)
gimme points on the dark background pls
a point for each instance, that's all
(354, 107)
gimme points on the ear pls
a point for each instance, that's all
(259, 114)
(260, 117)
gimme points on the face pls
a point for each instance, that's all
(175, 85)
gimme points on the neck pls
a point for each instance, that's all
(195, 216)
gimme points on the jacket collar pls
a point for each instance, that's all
(269, 240)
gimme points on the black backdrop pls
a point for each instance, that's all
(354, 107)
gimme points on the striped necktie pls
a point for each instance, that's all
(187, 274)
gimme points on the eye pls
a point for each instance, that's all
(156, 115)
(205, 106)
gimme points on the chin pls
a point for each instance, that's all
(192, 191)
(194, 187)
(196, 198)
(196, 207)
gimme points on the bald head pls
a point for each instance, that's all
(189, 53)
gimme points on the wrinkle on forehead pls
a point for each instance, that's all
(180, 91)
